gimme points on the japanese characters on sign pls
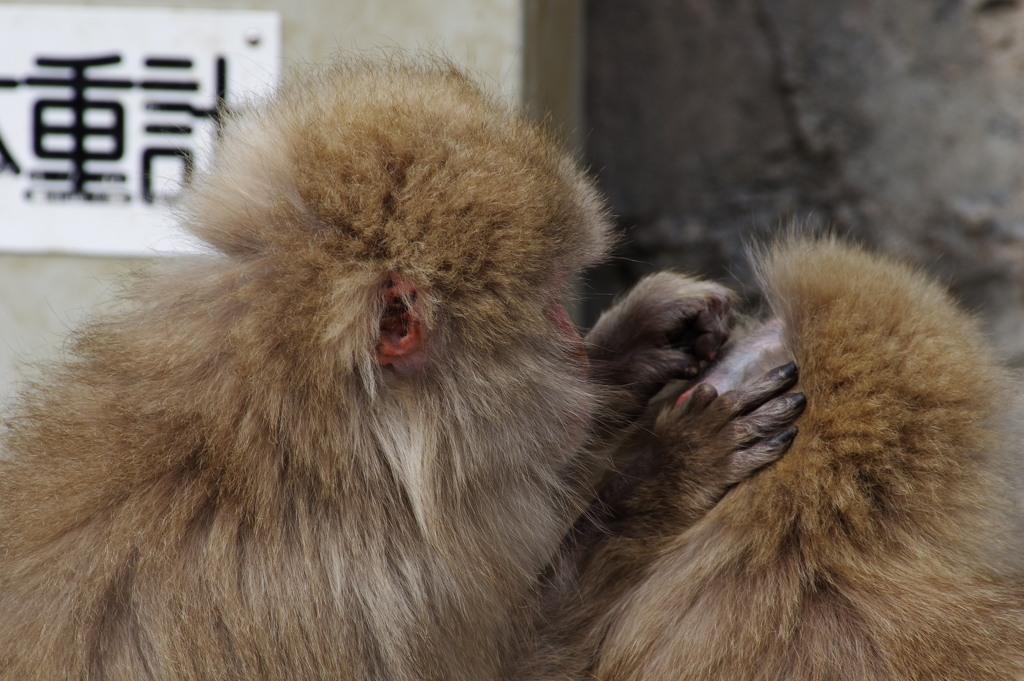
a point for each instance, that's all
(105, 112)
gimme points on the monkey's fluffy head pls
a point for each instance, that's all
(403, 167)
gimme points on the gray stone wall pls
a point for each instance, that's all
(898, 122)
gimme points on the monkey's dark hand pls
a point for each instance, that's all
(703, 444)
(663, 329)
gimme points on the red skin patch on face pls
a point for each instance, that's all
(567, 331)
(577, 420)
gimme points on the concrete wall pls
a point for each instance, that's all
(899, 123)
(42, 297)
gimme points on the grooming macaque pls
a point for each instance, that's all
(344, 444)
(875, 549)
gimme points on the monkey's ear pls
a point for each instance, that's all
(403, 341)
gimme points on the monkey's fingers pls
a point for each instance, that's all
(748, 398)
(665, 364)
(691, 416)
(743, 463)
(713, 332)
(701, 334)
(653, 368)
(702, 395)
(770, 418)
(766, 434)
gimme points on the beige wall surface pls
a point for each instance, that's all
(43, 297)
(482, 34)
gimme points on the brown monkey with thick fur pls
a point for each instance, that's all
(874, 550)
(344, 444)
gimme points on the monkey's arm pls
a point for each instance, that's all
(690, 450)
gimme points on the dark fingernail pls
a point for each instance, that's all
(783, 438)
(797, 402)
(788, 371)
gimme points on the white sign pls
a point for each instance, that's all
(105, 111)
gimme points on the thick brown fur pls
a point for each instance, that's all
(224, 483)
(873, 549)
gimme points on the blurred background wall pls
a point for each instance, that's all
(899, 122)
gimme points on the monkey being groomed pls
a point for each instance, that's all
(877, 548)
(346, 442)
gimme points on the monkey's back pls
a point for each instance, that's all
(869, 550)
